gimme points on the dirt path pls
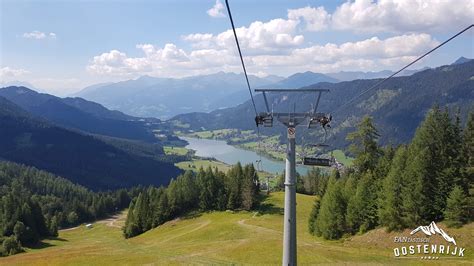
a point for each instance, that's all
(111, 221)
(256, 227)
(202, 225)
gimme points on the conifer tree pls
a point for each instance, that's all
(364, 145)
(362, 207)
(330, 220)
(456, 212)
(433, 156)
(391, 198)
(249, 189)
(313, 229)
(467, 172)
(415, 201)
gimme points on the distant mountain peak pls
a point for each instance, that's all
(461, 60)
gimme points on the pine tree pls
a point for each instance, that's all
(330, 220)
(468, 169)
(249, 189)
(131, 227)
(313, 229)
(414, 202)
(391, 198)
(234, 183)
(364, 145)
(53, 227)
(19, 231)
(433, 164)
(456, 213)
(362, 206)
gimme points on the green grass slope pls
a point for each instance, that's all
(221, 238)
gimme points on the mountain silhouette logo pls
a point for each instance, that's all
(433, 229)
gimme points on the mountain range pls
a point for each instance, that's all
(95, 161)
(398, 105)
(80, 114)
(166, 97)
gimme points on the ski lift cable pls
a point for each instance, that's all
(241, 57)
(259, 164)
(405, 67)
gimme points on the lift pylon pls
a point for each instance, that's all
(291, 120)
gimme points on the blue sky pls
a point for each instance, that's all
(63, 46)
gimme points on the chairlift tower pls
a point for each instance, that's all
(291, 120)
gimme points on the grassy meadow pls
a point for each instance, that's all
(222, 238)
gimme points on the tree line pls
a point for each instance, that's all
(314, 182)
(34, 204)
(207, 190)
(429, 179)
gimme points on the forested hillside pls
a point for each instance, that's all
(34, 204)
(429, 179)
(81, 158)
(79, 114)
(398, 106)
(208, 190)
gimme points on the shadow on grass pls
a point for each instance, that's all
(41, 244)
(191, 215)
(268, 208)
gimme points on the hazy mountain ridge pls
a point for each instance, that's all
(79, 114)
(80, 158)
(164, 97)
(398, 106)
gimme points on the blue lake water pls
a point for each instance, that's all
(231, 155)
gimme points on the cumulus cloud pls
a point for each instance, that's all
(316, 18)
(369, 54)
(258, 36)
(217, 11)
(9, 73)
(38, 35)
(389, 16)
(278, 45)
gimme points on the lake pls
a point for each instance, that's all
(231, 155)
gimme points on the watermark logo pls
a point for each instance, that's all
(421, 246)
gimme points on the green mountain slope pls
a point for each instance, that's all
(398, 106)
(222, 238)
(79, 114)
(80, 158)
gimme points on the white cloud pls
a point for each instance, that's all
(273, 35)
(366, 55)
(316, 18)
(217, 10)
(9, 73)
(390, 16)
(38, 35)
(278, 45)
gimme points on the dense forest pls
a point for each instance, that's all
(429, 179)
(99, 163)
(79, 114)
(207, 190)
(34, 204)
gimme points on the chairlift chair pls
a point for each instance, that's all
(318, 161)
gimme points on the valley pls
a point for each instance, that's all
(227, 132)
(267, 146)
